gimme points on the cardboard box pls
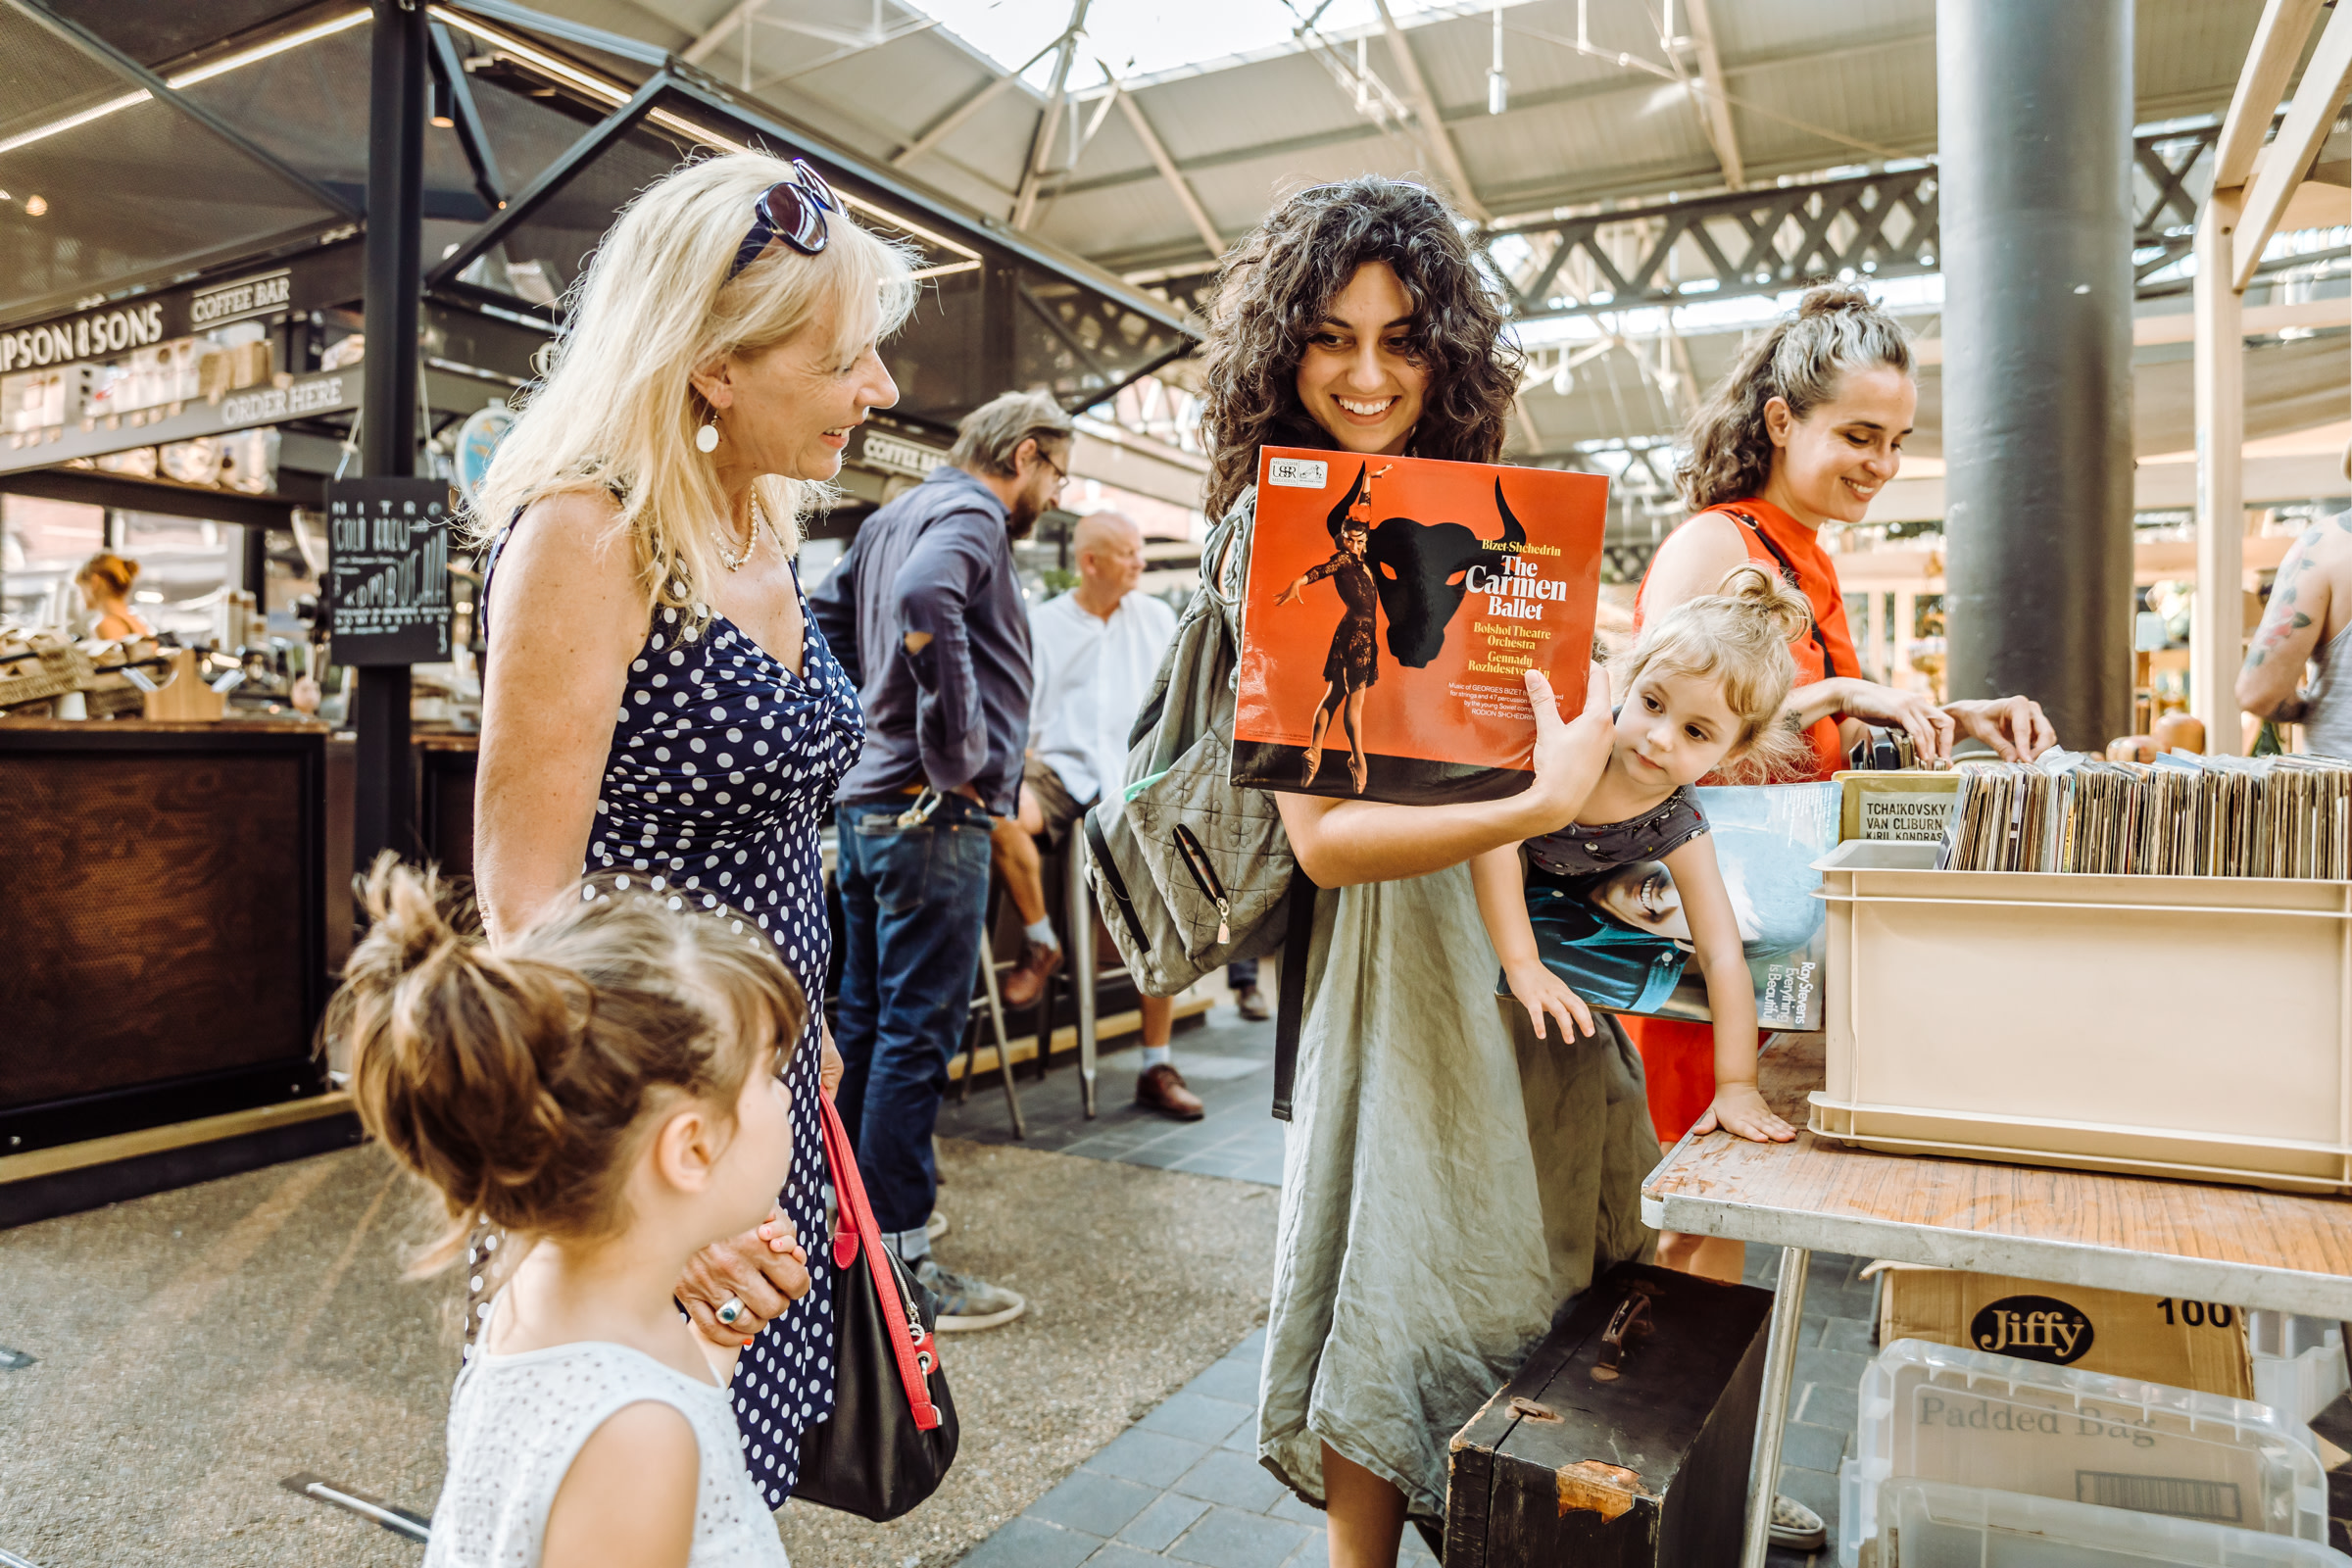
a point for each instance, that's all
(2183, 1344)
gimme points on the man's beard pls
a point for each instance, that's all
(1022, 515)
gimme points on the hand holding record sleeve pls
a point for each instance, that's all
(1570, 755)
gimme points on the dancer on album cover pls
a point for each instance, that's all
(1353, 663)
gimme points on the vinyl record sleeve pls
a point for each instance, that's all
(1469, 574)
(1621, 942)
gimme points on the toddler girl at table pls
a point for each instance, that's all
(1701, 692)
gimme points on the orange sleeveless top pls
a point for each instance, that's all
(1782, 543)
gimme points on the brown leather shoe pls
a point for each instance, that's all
(1022, 983)
(1160, 1088)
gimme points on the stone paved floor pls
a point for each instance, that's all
(1182, 1485)
(1230, 1065)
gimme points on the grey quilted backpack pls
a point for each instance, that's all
(1192, 871)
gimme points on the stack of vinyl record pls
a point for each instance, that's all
(2182, 815)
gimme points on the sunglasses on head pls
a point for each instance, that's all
(791, 209)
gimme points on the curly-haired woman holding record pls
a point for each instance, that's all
(1449, 1179)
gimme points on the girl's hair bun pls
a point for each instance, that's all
(510, 1080)
(1767, 593)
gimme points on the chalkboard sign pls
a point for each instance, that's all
(387, 571)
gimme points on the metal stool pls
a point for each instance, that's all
(994, 1002)
(1078, 911)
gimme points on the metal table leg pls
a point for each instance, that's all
(996, 1019)
(1079, 905)
(1780, 1371)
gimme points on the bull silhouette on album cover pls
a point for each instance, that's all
(1415, 573)
(1454, 715)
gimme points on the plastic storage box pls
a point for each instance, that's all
(2298, 1362)
(1937, 1526)
(2116, 996)
(1936, 1412)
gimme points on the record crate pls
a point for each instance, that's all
(2191, 1027)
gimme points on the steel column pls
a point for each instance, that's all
(382, 802)
(2033, 128)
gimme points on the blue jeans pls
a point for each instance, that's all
(1242, 973)
(912, 901)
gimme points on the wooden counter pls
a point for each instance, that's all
(165, 955)
(2286, 1251)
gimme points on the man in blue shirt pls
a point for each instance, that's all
(925, 613)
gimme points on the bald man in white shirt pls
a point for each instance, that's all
(1095, 650)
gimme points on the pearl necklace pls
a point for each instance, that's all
(751, 546)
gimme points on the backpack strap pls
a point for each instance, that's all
(1828, 660)
(1290, 1004)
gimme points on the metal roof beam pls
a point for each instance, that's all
(950, 122)
(1168, 172)
(1049, 124)
(1771, 238)
(1521, 103)
(546, 26)
(1713, 104)
(602, 135)
(738, 16)
(473, 137)
(1425, 110)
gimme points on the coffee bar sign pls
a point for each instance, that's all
(245, 297)
(893, 454)
(326, 276)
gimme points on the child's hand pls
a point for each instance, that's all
(1540, 991)
(1740, 1108)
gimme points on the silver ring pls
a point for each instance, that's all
(729, 1311)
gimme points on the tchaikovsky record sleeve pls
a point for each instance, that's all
(1391, 609)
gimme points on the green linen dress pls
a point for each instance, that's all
(1449, 1181)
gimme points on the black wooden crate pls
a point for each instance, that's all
(1566, 1469)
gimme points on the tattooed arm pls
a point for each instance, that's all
(2282, 644)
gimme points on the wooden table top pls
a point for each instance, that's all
(2188, 1240)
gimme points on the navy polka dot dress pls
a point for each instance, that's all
(724, 764)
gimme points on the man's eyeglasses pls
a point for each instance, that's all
(793, 211)
(1062, 476)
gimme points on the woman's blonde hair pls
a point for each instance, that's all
(514, 1082)
(1740, 635)
(616, 411)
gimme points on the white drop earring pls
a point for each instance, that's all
(705, 439)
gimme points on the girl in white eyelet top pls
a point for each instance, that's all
(517, 1420)
(610, 1083)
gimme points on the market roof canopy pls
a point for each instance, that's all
(258, 139)
(105, 182)
(1806, 86)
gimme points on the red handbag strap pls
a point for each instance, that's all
(907, 1343)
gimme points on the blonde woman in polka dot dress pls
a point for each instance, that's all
(656, 705)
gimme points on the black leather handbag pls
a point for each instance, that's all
(892, 1435)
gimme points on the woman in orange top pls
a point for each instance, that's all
(1805, 429)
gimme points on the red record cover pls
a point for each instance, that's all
(1391, 607)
